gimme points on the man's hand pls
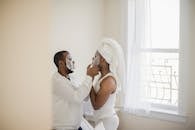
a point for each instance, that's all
(92, 70)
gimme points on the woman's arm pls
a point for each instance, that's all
(107, 87)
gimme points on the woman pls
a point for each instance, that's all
(110, 60)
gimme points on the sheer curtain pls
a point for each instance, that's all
(138, 39)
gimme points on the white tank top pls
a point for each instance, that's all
(107, 109)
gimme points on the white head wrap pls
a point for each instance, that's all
(112, 52)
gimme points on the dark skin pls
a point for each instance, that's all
(107, 86)
(64, 71)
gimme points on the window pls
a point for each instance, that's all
(153, 55)
(163, 50)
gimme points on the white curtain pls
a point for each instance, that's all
(138, 39)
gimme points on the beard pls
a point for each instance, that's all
(70, 71)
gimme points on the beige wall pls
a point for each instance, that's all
(31, 32)
(112, 20)
(24, 80)
(187, 56)
(115, 20)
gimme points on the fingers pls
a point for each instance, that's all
(88, 66)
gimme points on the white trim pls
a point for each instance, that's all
(168, 50)
(168, 116)
(163, 107)
(159, 114)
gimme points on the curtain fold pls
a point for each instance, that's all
(138, 39)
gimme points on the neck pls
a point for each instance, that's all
(63, 73)
(104, 71)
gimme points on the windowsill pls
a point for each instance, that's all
(167, 115)
(160, 114)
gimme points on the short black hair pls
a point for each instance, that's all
(59, 56)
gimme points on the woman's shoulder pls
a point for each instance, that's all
(109, 83)
(108, 79)
(109, 76)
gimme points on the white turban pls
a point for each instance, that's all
(112, 52)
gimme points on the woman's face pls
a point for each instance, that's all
(96, 59)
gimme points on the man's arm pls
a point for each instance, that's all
(66, 91)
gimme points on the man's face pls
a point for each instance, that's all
(69, 63)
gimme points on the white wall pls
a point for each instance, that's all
(77, 27)
(115, 20)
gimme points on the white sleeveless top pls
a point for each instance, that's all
(107, 109)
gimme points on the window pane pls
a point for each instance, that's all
(162, 77)
(164, 24)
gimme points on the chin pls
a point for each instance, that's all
(70, 71)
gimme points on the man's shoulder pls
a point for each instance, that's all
(59, 78)
(55, 75)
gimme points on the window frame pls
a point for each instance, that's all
(179, 113)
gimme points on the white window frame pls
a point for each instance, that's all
(176, 114)
(160, 50)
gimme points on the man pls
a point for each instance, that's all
(67, 99)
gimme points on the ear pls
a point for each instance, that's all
(102, 59)
(60, 62)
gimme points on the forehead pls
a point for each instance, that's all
(98, 54)
(68, 56)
